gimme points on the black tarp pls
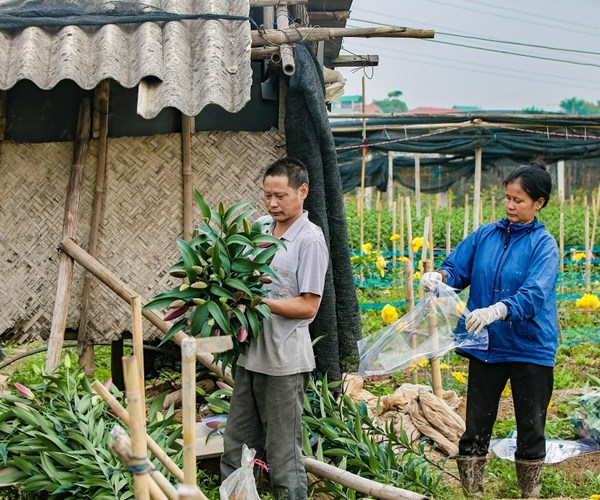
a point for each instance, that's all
(309, 139)
(550, 137)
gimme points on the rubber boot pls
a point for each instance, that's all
(470, 470)
(529, 475)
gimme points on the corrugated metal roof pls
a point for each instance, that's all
(185, 64)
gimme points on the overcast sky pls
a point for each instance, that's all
(439, 75)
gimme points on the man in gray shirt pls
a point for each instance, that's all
(272, 377)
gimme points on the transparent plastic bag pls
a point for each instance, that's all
(241, 485)
(435, 326)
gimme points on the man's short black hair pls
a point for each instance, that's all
(295, 171)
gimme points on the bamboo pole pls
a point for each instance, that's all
(424, 257)
(137, 427)
(493, 215)
(418, 184)
(394, 245)
(117, 286)
(572, 202)
(121, 448)
(123, 414)
(286, 54)
(400, 205)
(138, 343)
(187, 124)
(409, 234)
(410, 303)
(272, 3)
(450, 197)
(188, 386)
(561, 246)
(378, 205)
(357, 483)
(390, 179)
(363, 173)
(466, 228)
(477, 189)
(313, 34)
(430, 237)
(596, 208)
(448, 237)
(85, 349)
(436, 372)
(65, 263)
(588, 253)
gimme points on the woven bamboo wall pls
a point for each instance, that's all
(141, 220)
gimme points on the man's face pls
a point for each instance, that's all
(284, 203)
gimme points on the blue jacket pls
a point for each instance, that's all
(516, 264)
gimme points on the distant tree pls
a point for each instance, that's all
(575, 106)
(392, 104)
(533, 111)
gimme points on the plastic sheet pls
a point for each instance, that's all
(241, 484)
(435, 326)
(557, 450)
(586, 418)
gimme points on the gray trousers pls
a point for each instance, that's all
(265, 414)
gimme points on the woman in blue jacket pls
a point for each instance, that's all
(512, 267)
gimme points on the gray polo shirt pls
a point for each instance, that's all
(284, 347)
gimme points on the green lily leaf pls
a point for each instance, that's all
(234, 208)
(190, 259)
(204, 208)
(221, 319)
(177, 327)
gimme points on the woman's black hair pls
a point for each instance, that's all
(534, 179)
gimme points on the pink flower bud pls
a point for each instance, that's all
(25, 391)
(175, 313)
(242, 334)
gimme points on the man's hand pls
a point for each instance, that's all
(431, 281)
(480, 318)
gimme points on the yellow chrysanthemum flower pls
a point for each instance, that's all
(588, 301)
(389, 313)
(417, 276)
(460, 377)
(417, 244)
(354, 259)
(380, 263)
(403, 259)
(579, 256)
(424, 363)
(506, 391)
(394, 237)
(366, 248)
(444, 366)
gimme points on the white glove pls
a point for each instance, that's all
(480, 318)
(431, 281)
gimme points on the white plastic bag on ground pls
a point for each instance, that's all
(241, 485)
(432, 328)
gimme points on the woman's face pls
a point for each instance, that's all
(518, 205)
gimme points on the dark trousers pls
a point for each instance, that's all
(531, 387)
(265, 414)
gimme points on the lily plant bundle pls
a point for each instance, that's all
(225, 267)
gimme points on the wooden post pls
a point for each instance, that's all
(65, 263)
(477, 189)
(286, 53)
(466, 228)
(418, 184)
(572, 202)
(367, 486)
(493, 216)
(424, 257)
(138, 343)
(450, 197)
(436, 372)
(137, 426)
(117, 286)
(560, 180)
(596, 208)
(430, 237)
(85, 349)
(394, 245)
(187, 126)
(390, 179)
(448, 237)
(378, 205)
(123, 414)
(411, 255)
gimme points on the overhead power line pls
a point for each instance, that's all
(500, 51)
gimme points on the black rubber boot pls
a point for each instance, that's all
(470, 470)
(529, 475)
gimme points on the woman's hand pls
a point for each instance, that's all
(480, 318)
